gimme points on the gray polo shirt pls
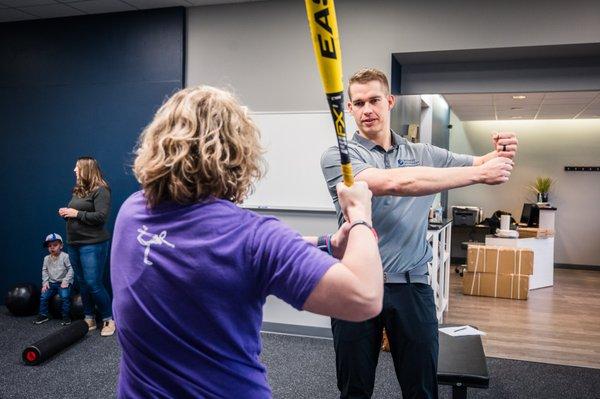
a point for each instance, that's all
(401, 222)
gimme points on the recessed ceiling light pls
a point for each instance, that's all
(516, 117)
(521, 97)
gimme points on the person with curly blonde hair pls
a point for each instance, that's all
(191, 269)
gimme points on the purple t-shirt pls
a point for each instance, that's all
(189, 284)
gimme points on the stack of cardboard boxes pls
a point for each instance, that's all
(535, 232)
(501, 272)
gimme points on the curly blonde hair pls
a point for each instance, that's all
(200, 144)
(89, 177)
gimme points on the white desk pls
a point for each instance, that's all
(543, 257)
(439, 267)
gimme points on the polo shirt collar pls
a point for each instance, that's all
(397, 140)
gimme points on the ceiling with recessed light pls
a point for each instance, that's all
(510, 106)
(20, 10)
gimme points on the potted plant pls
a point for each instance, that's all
(542, 187)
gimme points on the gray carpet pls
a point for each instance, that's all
(298, 368)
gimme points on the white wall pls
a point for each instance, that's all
(262, 51)
(545, 147)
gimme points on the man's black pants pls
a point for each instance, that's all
(409, 317)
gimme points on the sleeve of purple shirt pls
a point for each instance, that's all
(285, 265)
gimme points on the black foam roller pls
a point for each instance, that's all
(54, 343)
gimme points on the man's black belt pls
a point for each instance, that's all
(416, 275)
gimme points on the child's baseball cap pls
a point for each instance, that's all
(51, 238)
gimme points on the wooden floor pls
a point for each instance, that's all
(559, 324)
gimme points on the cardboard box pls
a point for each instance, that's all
(534, 232)
(499, 260)
(511, 286)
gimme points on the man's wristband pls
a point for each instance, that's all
(359, 222)
(324, 244)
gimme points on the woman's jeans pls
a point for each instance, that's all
(89, 263)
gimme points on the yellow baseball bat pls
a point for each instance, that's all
(326, 43)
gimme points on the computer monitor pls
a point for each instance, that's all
(530, 215)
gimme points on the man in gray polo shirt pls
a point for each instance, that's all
(404, 177)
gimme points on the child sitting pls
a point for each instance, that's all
(57, 276)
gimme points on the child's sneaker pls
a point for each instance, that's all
(108, 329)
(65, 321)
(91, 324)
(41, 319)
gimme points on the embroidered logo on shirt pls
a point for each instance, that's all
(154, 239)
(408, 162)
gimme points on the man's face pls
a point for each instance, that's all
(370, 105)
(55, 247)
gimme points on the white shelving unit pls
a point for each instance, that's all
(439, 267)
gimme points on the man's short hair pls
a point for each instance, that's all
(366, 75)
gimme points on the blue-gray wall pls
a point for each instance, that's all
(71, 87)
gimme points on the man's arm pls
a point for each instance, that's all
(424, 180)
(492, 168)
(505, 145)
(478, 161)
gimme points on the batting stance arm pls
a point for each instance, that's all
(352, 289)
(424, 180)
